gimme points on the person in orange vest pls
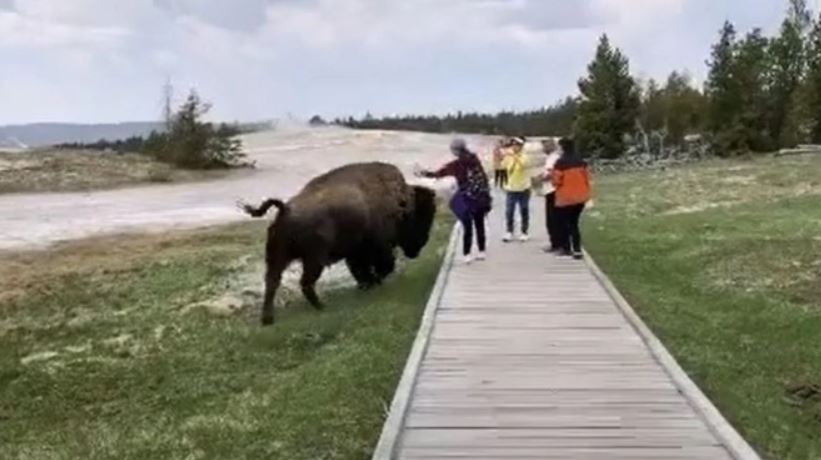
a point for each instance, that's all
(571, 178)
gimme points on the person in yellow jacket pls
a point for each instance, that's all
(517, 187)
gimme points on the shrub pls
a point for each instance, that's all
(192, 143)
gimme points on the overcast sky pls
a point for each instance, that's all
(106, 60)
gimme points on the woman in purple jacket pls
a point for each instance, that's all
(472, 201)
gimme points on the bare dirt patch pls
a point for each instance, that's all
(805, 396)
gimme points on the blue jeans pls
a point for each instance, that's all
(521, 199)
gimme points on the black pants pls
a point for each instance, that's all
(552, 220)
(571, 239)
(477, 220)
(500, 178)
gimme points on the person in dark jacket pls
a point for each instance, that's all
(552, 155)
(571, 178)
(472, 201)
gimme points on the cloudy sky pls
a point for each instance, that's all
(106, 60)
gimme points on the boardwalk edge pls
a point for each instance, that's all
(392, 428)
(736, 445)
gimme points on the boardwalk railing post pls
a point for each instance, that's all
(392, 429)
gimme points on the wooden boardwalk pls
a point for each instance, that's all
(529, 356)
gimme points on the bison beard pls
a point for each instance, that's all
(358, 213)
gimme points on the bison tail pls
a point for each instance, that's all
(262, 209)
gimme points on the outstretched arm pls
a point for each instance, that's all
(445, 171)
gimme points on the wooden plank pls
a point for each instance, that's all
(561, 438)
(610, 452)
(570, 395)
(517, 420)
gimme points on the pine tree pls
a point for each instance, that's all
(721, 86)
(609, 104)
(789, 57)
(736, 88)
(685, 106)
(751, 72)
(813, 84)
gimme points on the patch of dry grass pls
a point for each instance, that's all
(78, 170)
(717, 184)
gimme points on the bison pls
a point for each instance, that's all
(357, 213)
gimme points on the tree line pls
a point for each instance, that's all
(556, 118)
(762, 93)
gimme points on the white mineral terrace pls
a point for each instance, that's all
(286, 160)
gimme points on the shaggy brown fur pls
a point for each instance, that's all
(358, 213)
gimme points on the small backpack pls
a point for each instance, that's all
(477, 188)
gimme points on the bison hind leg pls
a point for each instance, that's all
(311, 271)
(274, 266)
(273, 277)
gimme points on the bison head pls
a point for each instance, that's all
(415, 229)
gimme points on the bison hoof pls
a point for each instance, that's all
(267, 320)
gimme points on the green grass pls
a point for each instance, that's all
(100, 359)
(723, 261)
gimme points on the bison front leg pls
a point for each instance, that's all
(311, 271)
(360, 269)
(384, 263)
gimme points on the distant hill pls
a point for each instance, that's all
(43, 134)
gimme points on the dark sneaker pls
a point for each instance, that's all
(562, 253)
(578, 255)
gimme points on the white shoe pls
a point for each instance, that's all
(468, 259)
(508, 237)
(524, 238)
(481, 256)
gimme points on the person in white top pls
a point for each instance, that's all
(550, 149)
